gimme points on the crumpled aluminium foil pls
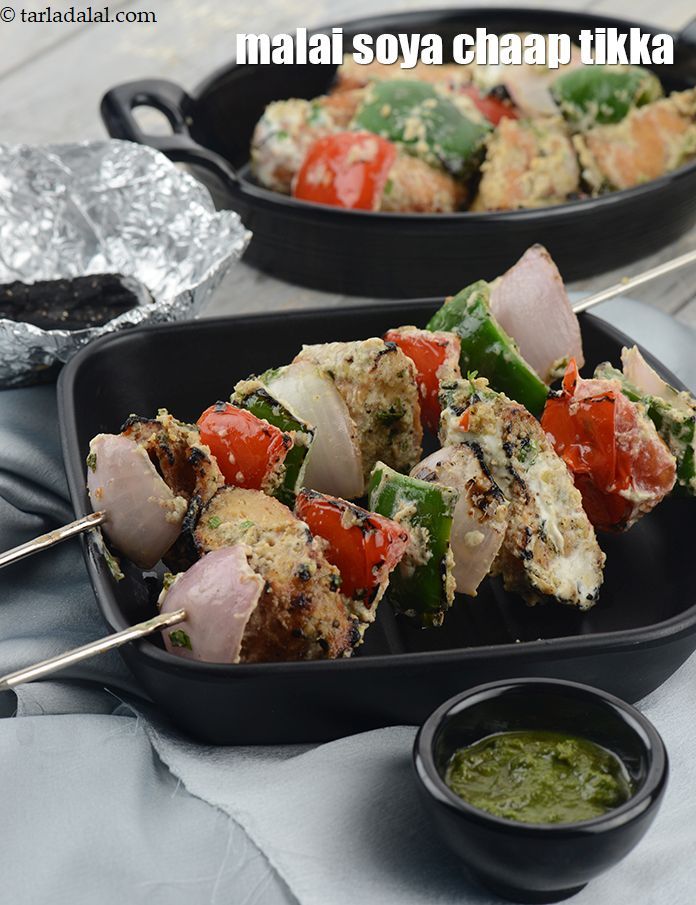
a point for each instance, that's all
(105, 207)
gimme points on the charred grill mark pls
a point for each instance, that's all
(300, 602)
(138, 420)
(354, 635)
(494, 492)
(196, 456)
(164, 450)
(389, 347)
(303, 572)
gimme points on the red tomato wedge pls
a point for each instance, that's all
(436, 357)
(249, 451)
(493, 108)
(620, 464)
(363, 546)
(346, 169)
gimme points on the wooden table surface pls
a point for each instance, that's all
(52, 77)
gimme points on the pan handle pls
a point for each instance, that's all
(685, 50)
(687, 35)
(117, 113)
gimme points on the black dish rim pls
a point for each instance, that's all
(605, 642)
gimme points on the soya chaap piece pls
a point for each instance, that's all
(486, 348)
(152, 480)
(422, 585)
(301, 614)
(362, 171)
(219, 593)
(550, 549)
(480, 515)
(283, 135)
(254, 396)
(425, 124)
(435, 355)
(620, 463)
(649, 142)
(250, 452)
(364, 547)
(176, 448)
(672, 412)
(334, 462)
(596, 95)
(378, 384)
(530, 302)
(529, 163)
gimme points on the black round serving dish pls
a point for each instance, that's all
(402, 255)
(643, 628)
(540, 862)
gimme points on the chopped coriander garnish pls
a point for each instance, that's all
(179, 638)
(214, 522)
(245, 525)
(113, 564)
(388, 186)
(92, 461)
(394, 413)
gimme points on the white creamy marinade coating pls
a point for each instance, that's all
(550, 548)
(282, 137)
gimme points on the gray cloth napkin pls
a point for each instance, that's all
(105, 802)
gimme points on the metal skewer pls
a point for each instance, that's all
(46, 667)
(51, 538)
(631, 283)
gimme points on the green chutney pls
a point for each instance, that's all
(539, 777)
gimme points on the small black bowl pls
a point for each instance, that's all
(527, 862)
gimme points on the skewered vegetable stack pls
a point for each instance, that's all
(253, 508)
(437, 139)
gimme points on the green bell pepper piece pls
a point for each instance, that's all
(256, 398)
(425, 124)
(674, 422)
(422, 585)
(596, 95)
(487, 348)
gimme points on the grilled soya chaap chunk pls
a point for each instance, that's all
(649, 142)
(286, 130)
(529, 163)
(186, 466)
(416, 187)
(550, 549)
(301, 614)
(378, 384)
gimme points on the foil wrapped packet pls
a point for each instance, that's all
(105, 207)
